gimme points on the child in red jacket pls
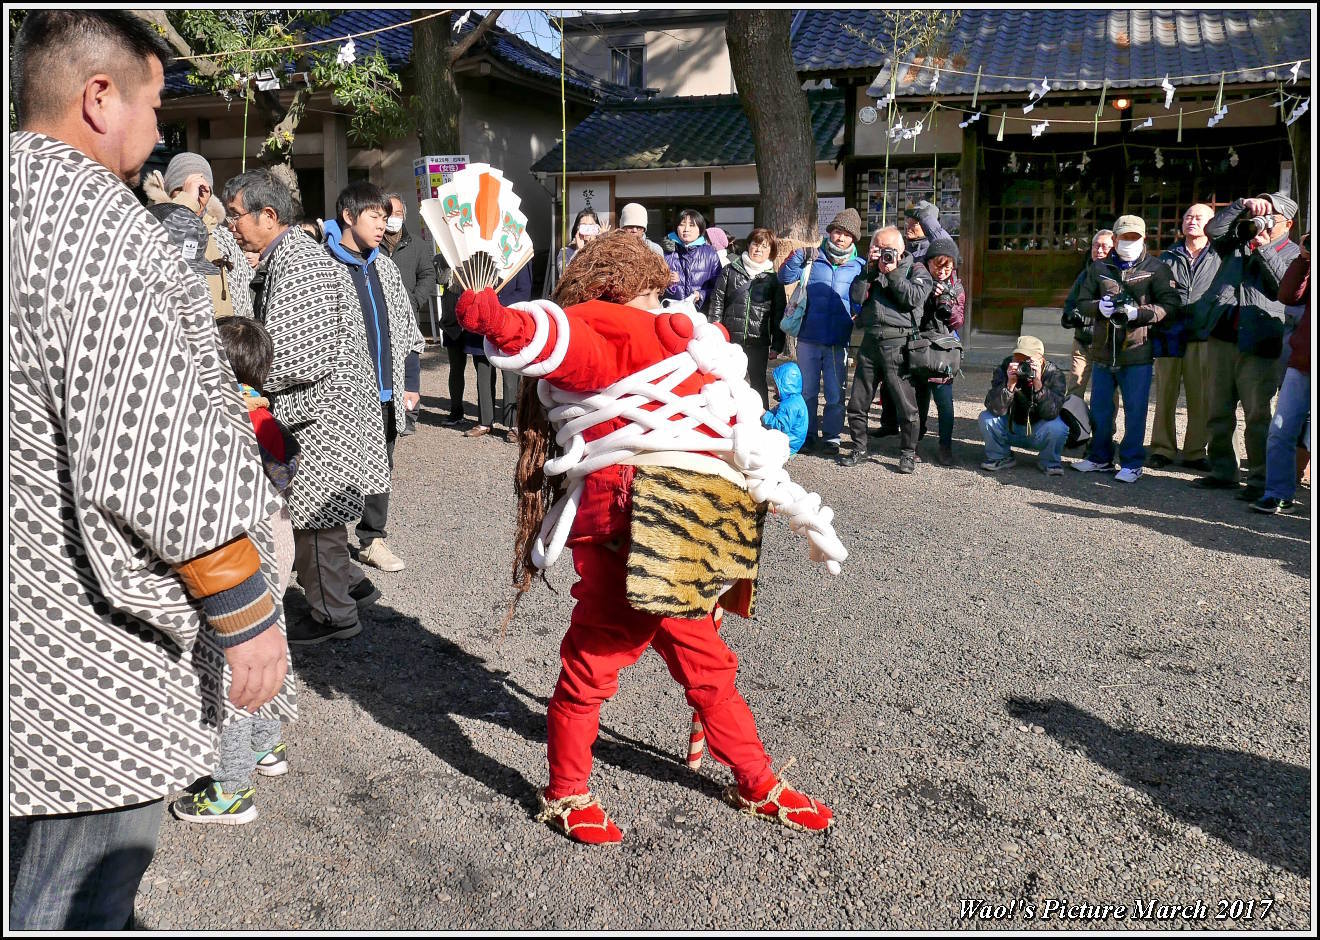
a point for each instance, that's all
(657, 478)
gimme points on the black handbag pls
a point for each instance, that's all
(932, 355)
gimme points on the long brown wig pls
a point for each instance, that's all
(616, 267)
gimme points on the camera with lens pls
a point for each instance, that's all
(888, 256)
(1072, 319)
(1247, 229)
(1026, 374)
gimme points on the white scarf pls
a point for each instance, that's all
(755, 268)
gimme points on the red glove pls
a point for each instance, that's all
(480, 312)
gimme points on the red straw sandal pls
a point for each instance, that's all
(580, 817)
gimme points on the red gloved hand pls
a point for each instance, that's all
(479, 311)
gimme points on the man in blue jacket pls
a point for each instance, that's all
(823, 338)
(394, 341)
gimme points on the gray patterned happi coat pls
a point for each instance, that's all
(321, 384)
(240, 272)
(405, 336)
(130, 453)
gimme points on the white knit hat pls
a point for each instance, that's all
(634, 213)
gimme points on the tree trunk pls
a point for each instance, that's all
(437, 103)
(777, 110)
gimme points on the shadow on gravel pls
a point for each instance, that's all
(1279, 538)
(1256, 805)
(418, 683)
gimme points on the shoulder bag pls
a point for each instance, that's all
(796, 310)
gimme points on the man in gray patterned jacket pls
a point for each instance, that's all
(137, 502)
(321, 387)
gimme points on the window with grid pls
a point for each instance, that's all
(626, 65)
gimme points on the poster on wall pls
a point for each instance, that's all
(827, 207)
(594, 194)
(432, 172)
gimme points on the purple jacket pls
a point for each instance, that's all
(697, 266)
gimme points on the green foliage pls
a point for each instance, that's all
(905, 33)
(251, 40)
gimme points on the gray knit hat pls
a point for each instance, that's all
(185, 165)
(849, 221)
(1282, 204)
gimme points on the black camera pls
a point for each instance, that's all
(1072, 319)
(1026, 374)
(1247, 229)
(888, 256)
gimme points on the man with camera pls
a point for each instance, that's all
(1124, 295)
(892, 290)
(1180, 356)
(1102, 243)
(1022, 410)
(1244, 322)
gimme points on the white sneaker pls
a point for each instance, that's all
(377, 554)
(1090, 466)
(1054, 471)
(1128, 475)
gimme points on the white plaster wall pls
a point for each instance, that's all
(869, 139)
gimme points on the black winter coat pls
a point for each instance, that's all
(893, 303)
(750, 308)
(1150, 283)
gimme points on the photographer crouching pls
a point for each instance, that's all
(892, 290)
(1022, 410)
(1125, 295)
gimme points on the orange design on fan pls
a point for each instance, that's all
(488, 205)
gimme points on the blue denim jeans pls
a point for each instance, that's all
(1000, 435)
(81, 871)
(822, 364)
(1290, 415)
(1134, 384)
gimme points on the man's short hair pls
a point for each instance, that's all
(895, 236)
(357, 197)
(261, 189)
(56, 51)
(1101, 234)
(249, 348)
(389, 199)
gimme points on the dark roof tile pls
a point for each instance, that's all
(680, 132)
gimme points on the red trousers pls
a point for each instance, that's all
(605, 635)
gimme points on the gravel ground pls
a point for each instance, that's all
(1046, 691)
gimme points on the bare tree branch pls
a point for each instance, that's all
(160, 21)
(471, 39)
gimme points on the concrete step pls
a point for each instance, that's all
(1043, 323)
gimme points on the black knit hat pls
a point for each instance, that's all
(943, 246)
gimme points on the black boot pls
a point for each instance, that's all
(907, 463)
(853, 457)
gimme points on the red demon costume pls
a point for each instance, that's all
(605, 391)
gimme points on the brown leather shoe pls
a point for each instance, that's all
(477, 431)
(511, 436)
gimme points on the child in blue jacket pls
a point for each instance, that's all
(790, 415)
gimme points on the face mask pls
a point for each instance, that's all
(1130, 251)
(394, 224)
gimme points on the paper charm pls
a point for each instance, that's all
(934, 82)
(1297, 67)
(1038, 129)
(1012, 164)
(461, 20)
(912, 131)
(1003, 116)
(1081, 166)
(1299, 111)
(1217, 116)
(347, 54)
(1149, 122)
(1168, 92)
(971, 120)
(883, 102)
(896, 130)
(1232, 157)
(1159, 159)
(1042, 91)
(1029, 108)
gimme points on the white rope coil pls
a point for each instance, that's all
(728, 406)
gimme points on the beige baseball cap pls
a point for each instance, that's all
(1029, 346)
(1130, 223)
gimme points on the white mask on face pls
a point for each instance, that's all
(1130, 250)
(394, 224)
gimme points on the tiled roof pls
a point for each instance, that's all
(396, 46)
(1074, 48)
(703, 131)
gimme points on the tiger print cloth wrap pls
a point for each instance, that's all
(693, 534)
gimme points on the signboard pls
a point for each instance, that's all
(827, 207)
(430, 173)
(594, 194)
(433, 172)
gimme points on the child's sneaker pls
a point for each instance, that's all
(273, 763)
(214, 806)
